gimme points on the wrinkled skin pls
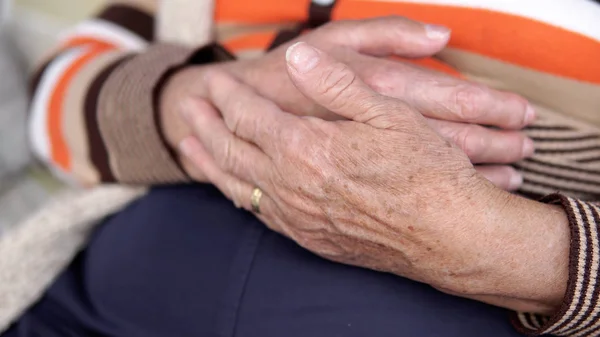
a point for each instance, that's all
(453, 107)
(380, 190)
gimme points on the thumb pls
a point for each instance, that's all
(337, 88)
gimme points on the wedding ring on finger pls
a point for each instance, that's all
(255, 200)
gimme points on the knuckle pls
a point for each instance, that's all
(521, 104)
(235, 190)
(318, 165)
(469, 99)
(310, 151)
(390, 113)
(379, 81)
(470, 140)
(295, 138)
(227, 160)
(319, 126)
(335, 83)
(236, 106)
(196, 120)
(233, 123)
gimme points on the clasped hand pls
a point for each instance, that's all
(380, 190)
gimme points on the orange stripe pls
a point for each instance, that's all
(84, 41)
(250, 41)
(506, 37)
(263, 11)
(59, 150)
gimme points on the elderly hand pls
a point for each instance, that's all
(382, 191)
(453, 106)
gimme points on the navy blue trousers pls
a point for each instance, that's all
(183, 262)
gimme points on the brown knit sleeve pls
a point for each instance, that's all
(93, 112)
(128, 117)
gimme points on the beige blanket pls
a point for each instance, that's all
(37, 250)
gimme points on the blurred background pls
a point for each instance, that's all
(34, 24)
(28, 28)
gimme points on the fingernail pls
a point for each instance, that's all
(516, 180)
(437, 32)
(302, 57)
(528, 148)
(530, 115)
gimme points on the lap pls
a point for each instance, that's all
(182, 261)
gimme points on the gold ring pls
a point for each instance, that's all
(255, 200)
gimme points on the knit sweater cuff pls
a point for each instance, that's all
(128, 115)
(579, 314)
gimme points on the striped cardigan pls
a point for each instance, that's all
(93, 117)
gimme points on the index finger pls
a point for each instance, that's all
(389, 35)
(443, 97)
(247, 114)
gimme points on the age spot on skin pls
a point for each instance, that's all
(411, 228)
(355, 146)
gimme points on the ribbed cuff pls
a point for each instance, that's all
(579, 314)
(127, 118)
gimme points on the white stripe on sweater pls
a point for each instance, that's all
(107, 31)
(40, 106)
(579, 16)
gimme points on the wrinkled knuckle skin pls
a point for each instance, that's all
(334, 84)
(226, 160)
(469, 141)
(379, 82)
(318, 171)
(294, 140)
(468, 100)
(233, 123)
(237, 107)
(236, 191)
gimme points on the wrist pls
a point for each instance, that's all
(183, 83)
(526, 260)
(186, 81)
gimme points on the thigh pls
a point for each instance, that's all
(162, 267)
(183, 261)
(291, 292)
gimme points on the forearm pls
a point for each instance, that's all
(95, 115)
(525, 256)
(539, 259)
(543, 252)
